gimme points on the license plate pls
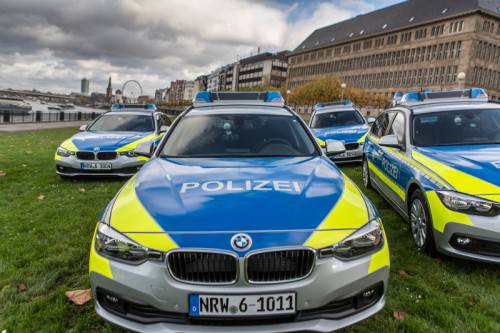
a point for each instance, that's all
(347, 154)
(95, 166)
(241, 305)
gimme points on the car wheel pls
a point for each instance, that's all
(366, 174)
(421, 224)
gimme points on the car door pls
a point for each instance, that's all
(375, 154)
(396, 171)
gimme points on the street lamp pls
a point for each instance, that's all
(461, 80)
(343, 86)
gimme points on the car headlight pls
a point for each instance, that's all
(363, 241)
(464, 203)
(128, 153)
(64, 152)
(111, 243)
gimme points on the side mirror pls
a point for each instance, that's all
(390, 141)
(83, 128)
(144, 149)
(164, 128)
(334, 147)
(371, 120)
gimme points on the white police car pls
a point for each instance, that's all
(106, 146)
(343, 122)
(239, 223)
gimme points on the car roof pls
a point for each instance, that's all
(451, 106)
(239, 109)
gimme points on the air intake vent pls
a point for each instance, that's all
(203, 267)
(280, 266)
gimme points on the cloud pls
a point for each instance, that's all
(52, 44)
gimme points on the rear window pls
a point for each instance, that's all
(337, 118)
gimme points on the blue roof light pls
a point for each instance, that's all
(477, 92)
(273, 96)
(203, 96)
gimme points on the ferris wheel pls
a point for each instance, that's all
(131, 94)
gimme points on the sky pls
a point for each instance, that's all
(51, 44)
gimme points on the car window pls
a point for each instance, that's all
(164, 121)
(238, 135)
(123, 123)
(461, 127)
(337, 118)
(380, 125)
(398, 127)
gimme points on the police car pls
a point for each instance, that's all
(436, 158)
(239, 223)
(341, 121)
(106, 146)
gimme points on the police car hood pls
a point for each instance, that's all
(473, 169)
(109, 141)
(347, 134)
(277, 201)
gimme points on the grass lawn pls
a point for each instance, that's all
(46, 225)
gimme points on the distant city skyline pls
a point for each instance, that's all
(51, 46)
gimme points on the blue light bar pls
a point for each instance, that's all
(477, 94)
(231, 97)
(345, 102)
(124, 107)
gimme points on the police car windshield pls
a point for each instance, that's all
(337, 118)
(463, 127)
(238, 135)
(124, 123)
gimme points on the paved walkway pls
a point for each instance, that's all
(19, 127)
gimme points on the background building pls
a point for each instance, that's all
(109, 91)
(85, 87)
(411, 45)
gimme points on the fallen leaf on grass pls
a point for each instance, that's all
(94, 330)
(22, 287)
(403, 273)
(24, 165)
(2, 173)
(399, 315)
(81, 190)
(41, 197)
(79, 297)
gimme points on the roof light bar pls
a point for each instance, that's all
(207, 97)
(338, 104)
(134, 107)
(428, 96)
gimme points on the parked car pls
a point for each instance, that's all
(239, 222)
(344, 122)
(436, 158)
(106, 146)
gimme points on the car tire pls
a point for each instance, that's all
(366, 174)
(421, 228)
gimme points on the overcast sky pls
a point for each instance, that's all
(51, 44)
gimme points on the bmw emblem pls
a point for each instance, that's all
(96, 148)
(241, 242)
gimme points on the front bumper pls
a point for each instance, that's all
(352, 155)
(484, 236)
(151, 286)
(122, 166)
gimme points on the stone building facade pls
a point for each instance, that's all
(409, 46)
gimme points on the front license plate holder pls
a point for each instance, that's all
(205, 305)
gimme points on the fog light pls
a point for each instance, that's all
(464, 241)
(112, 299)
(369, 293)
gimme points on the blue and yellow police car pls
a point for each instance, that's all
(343, 122)
(436, 158)
(239, 223)
(106, 146)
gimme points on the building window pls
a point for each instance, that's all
(367, 45)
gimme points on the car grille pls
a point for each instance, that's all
(85, 155)
(106, 155)
(203, 267)
(351, 146)
(280, 266)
